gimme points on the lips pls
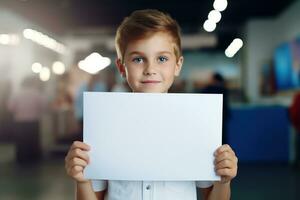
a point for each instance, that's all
(150, 81)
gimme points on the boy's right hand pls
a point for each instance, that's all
(76, 160)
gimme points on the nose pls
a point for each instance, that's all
(149, 69)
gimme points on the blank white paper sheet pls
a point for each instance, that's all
(151, 136)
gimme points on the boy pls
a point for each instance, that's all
(149, 57)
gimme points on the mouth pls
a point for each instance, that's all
(150, 82)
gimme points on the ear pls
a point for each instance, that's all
(121, 67)
(178, 66)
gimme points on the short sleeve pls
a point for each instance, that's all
(99, 185)
(204, 184)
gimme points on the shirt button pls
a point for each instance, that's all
(148, 187)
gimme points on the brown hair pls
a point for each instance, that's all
(144, 23)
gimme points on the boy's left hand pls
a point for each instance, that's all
(225, 163)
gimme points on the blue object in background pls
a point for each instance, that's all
(296, 62)
(283, 67)
(260, 133)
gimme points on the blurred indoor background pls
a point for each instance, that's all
(53, 50)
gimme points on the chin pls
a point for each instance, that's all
(151, 90)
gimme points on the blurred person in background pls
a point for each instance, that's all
(294, 112)
(5, 115)
(217, 85)
(63, 98)
(65, 124)
(27, 107)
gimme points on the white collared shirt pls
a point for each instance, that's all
(150, 190)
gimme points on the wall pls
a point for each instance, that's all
(262, 36)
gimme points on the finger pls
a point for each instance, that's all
(225, 156)
(75, 145)
(223, 148)
(224, 172)
(81, 145)
(225, 164)
(79, 154)
(77, 169)
(77, 161)
(74, 171)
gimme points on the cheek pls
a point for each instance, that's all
(134, 72)
(132, 75)
(170, 71)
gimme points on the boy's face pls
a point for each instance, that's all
(150, 64)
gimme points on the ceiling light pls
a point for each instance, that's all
(36, 67)
(94, 63)
(214, 16)
(44, 40)
(45, 74)
(220, 5)
(234, 47)
(209, 26)
(9, 39)
(58, 68)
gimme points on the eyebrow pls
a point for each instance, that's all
(141, 53)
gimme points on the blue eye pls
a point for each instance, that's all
(162, 59)
(137, 60)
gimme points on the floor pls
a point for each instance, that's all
(47, 180)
